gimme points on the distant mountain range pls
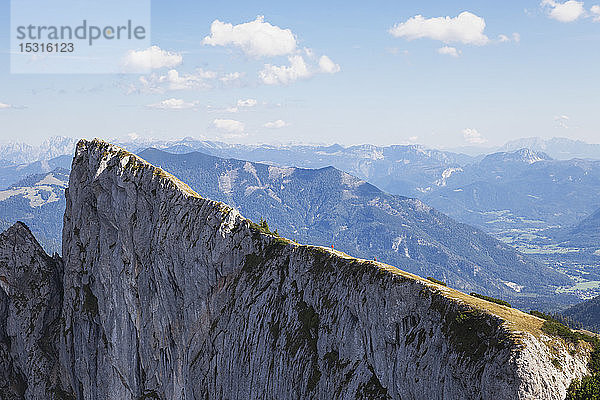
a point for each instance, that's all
(23, 153)
(39, 201)
(585, 235)
(586, 313)
(11, 173)
(519, 190)
(558, 148)
(330, 207)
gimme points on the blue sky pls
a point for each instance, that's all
(377, 88)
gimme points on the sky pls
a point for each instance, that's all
(439, 73)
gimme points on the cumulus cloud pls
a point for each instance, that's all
(515, 37)
(174, 80)
(327, 66)
(472, 136)
(595, 10)
(503, 38)
(562, 121)
(466, 28)
(172, 104)
(276, 124)
(283, 75)
(568, 11)
(229, 126)
(298, 69)
(256, 38)
(247, 103)
(231, 77)
(449, 51)
(152, 58)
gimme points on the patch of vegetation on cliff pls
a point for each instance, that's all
(491, 299)
(587, 388)
(263, 227)
(471, 332)
(332, 360)
(149, 394)
(307, 336)
(90, 302)
(432, 279)
(60, 394)
(553, 327)
(372, 390)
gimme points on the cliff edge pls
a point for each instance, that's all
(167, 295)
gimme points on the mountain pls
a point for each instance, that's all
(31, 296)
(522, 190)
(326, 207)
(12, 173)
(23, 153)
(38, 200)
(168, 295)
(586, 313)
(586, 234)
(399, 169)
(559, 148)
(330, 207)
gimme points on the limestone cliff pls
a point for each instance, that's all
(30, 304)
(167, 295)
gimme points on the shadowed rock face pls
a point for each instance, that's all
(30, 307)
(168, 295)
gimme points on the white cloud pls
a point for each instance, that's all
(515, 37)
(562, 121)
(283, 75)
(247, 103)
(298, 69)
(327, 66)
(568, 11)
(413, 139)
(472, 136)
(466, 28)
(172, 104)
(503, 38)
(5, 106)
(151, 58)
(276, 124)
(256, 38)
(231, 77)
(449, 51)
(229, 126)
(173, 80)
(595, 10)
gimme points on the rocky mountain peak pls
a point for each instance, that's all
(168, 295)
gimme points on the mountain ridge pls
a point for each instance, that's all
(331, 207)
(170, 295)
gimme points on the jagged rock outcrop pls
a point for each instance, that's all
(173, 296)
(30, 307)
(167, 295)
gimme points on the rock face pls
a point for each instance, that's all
(30, 306)
(329, 206)
(167, 295)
